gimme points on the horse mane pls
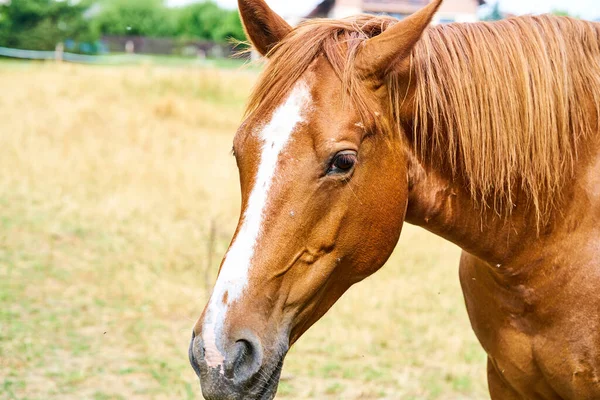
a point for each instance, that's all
(503, 104)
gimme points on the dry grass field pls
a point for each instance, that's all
(110, 179)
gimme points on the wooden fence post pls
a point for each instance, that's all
(130, 47)
(59, 52)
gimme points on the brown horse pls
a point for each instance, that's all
(485, 134)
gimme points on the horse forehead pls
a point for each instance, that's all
(295, 113)
(324, 90)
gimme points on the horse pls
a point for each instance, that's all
(485, 134)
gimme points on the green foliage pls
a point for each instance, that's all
(231, 27)
(135, 17)
(198, 20)
(207, 21)
(204, 20)
(41, 24)
(495, 14)
(563, 13)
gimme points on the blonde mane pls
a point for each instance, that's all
(503, 104)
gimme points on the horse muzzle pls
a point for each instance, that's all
(243, 374)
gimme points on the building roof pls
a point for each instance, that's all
(324, 7)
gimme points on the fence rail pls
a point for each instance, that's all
(71, 57)
(106, 59)
(27, 54)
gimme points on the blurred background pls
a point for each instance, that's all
(119, 195)
(203, 30)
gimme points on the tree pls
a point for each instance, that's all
(495, 14)
(230, 28)
(135, 17)
(563, 13)
(207, 21)
(41, 24)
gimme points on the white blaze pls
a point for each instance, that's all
(233, 277)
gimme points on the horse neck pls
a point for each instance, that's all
(440, 201)
(442, 205)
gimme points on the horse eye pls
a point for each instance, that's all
(343, 162)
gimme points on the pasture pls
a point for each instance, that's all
(118, 197)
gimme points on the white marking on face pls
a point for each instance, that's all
(233, 277)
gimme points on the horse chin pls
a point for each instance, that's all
(263, 387)
(268, 388)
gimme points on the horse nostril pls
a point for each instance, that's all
(192, 355)
(244, 360)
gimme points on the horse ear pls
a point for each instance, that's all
(263, 26)
(380, 53)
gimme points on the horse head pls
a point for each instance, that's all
(324, 191)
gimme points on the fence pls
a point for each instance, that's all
(167, 46)
(194, 51)
(69, 57)
(115, 59)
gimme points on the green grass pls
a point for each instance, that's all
(142, 59)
